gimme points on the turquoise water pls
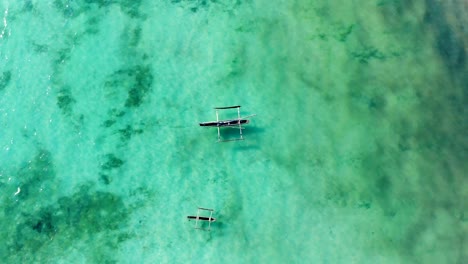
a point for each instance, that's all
(356, 155)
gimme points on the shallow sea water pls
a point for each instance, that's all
(356, 155)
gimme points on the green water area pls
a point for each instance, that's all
(357, 152)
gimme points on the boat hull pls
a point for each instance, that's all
(224, 123)
(202, 218)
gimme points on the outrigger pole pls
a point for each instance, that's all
(238, 122)
(217, 121)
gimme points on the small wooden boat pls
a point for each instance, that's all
(228, 122)
(210, 219)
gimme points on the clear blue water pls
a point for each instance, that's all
(357, 153)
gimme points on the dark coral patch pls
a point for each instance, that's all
(383, 184)
(63, 55)
(344, 32)
(202, 5)
(92, 211)
(137, 80)
(194, 6)
(114, 116)
(143, 81)
(131, 8)
(109, 168)
(44, 223)
(109, 122)
(449, 41)
(72, 9)
(127, 133)
(65, 100)
(134, 37)
(84, 213)
(377, 102)
(40, 48)
(367, 54)
(28, 6)
(112, 162)
(5, 79)
(104, 178)
(67, 8)
(92, 25)
(39, 170)
(100, 3)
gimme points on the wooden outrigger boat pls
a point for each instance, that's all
(210, 219)
(238, 122)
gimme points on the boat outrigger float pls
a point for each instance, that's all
(198, 218)
(228, 122)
